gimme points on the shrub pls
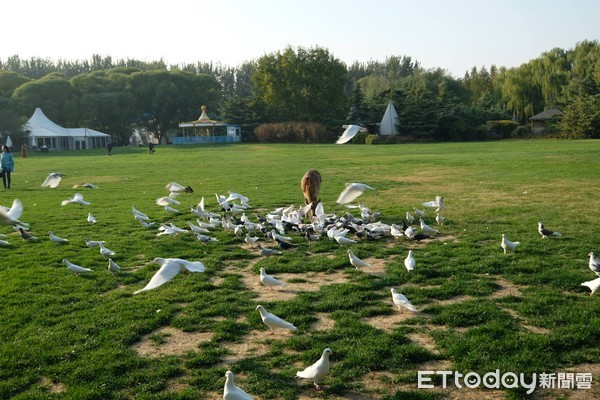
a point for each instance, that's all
(372, 139)
(391, 139)
(501, 128)
(291, 132)
(360, 138)
(521, 131)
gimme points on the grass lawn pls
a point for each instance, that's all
(86, 336)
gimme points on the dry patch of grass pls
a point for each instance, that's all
(169, 341)
(323, 322)
(52, 386)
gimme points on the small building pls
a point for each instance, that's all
(44, 134)
(539, 122)
(206, 130)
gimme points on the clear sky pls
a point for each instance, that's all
(451, 34)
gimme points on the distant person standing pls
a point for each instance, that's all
(151, 147)
(8, 166)
(109, 148)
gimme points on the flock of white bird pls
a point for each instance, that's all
(273, 227)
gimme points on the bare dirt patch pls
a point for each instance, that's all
(253, 344)
(507, 288)
(170, 341)
(323, 322)
(388, 322)
(52, 386)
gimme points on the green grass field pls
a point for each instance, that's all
(67, 336)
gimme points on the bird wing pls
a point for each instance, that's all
(349, 133)
(193, 266)
(52, 180)
(274, 321)
(351, 192)
(401, 301)
(166, 272)
(270, 281)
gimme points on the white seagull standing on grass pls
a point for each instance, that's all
(113, 267)
(593, 285)
(352, 191)
(545, 232)
(75, 268)
(93, 243)
(233, 392)
(273, 321)
(401, 301)
(169, 268)
(57, 239)
(318, 370)
(594, 264)
(91, 219)
(355, 261)
(508, 245)
(269, 280)
(106, 252)
(426, 228)
(409, 261)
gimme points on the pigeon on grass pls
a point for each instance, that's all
(268, 280)
(401, 301)
(273, 321)
(318, 370)
(508, 245)
(233, 392)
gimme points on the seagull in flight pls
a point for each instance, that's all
(438, 203)
(52, 180)
(10, 216)
(76, 199)
(349, 133)
(175, 189)
(169, 268)
(352, 191)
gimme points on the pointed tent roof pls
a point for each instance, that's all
(41, 126)
(390, 121)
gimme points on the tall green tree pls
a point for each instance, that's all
(165, 98)
(53, 93)
(302, 85)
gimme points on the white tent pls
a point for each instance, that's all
(390, 121)
(43, 133)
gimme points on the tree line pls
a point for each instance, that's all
(305, 85)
